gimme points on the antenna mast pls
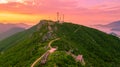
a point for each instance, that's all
(58, 16)
(63, 17)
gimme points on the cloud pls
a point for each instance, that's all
(3, 1)
(39, 6)
(7, 1)
(74, 10)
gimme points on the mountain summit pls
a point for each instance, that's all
(55, 44)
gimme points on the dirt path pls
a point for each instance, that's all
(39, 59)
(49, 51)
(76, 30)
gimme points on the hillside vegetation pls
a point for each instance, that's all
(98, 49)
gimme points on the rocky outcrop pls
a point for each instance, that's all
(47, 36)
(42, 22)
(49, 27)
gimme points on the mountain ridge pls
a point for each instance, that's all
(10, 32)
(9, 26)
(111, 27)
(96, 47)
(7, 30)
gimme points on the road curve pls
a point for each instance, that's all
(49, 45)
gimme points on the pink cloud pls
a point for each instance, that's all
(74, 10)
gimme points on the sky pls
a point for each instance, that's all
(85, 12)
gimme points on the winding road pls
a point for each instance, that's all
(48, 51)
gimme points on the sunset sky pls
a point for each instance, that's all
(85, 12)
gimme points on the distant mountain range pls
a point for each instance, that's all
(7, 30)
(10, 32)
(115, 24)
(110, 28)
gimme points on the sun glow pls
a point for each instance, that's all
(12, 17)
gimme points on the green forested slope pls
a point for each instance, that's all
(14, 39)
(98, 49)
